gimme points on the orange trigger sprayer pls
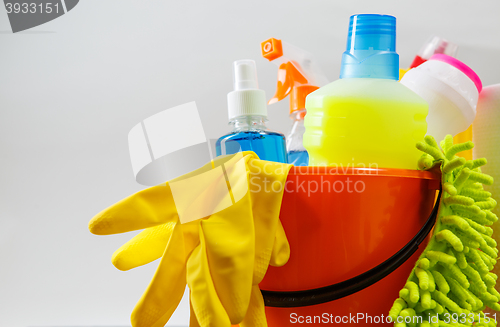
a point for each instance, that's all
(298, 75)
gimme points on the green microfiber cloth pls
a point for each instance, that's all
(452, 283)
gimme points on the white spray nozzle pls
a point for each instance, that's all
(245, 75)
(246, 99)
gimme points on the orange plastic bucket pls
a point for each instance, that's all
(344, 227)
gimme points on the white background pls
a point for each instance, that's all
(71, 89)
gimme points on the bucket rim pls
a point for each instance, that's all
(386, 172)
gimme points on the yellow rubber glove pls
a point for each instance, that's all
(221, 291)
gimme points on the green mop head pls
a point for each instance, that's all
(452, 283)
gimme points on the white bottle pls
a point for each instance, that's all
(450, 88)
(486, 137)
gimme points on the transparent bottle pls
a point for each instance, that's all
(297, 154)
(250, 133)
(298, 76)
(247, 110)
(434, 45)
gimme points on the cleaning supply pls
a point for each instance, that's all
(222, 257)
(297, 154)
(366, 118)
(450, 88)
(342, 226)
(438, 45)
(452, 281)
(248, 114)
(298, 75)
(486, 132)
(432, 46)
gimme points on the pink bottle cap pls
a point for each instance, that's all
(460, 66)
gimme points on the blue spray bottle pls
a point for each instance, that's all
(247, 110)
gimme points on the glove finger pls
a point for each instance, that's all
(147, 208)
(256, 315)
(193, 322)
(143, 248)
(281, 248)
(229, 237)
(204, 300)
(267, 186)
(166, 289)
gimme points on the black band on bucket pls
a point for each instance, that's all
(336, 291)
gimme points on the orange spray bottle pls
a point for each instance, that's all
(298, 75)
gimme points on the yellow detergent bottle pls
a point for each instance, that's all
(366, 118)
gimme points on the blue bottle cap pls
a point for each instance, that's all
(371, 48)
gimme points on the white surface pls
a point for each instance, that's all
(164, 133)
(71, 90)
(140, 155)
(174, 129)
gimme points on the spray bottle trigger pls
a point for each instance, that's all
(289, 76)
